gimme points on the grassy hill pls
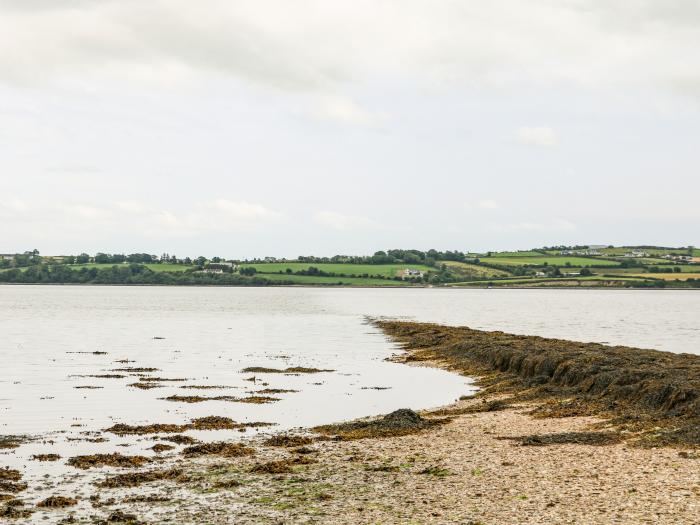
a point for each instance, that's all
(560, 261)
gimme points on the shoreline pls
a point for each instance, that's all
(508, 454)
(365, 287)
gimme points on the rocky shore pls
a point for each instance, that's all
(561, 432)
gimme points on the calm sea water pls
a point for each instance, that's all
(207, 335)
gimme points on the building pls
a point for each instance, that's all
(587, 251)
(681, 258)
(409, 273)
(220, 267)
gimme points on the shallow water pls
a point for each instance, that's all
(207, 335)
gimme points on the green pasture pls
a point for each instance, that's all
(560, 280)
(386, 270)
(521, 253)
(312, 279)
(156, 267)
(551, 261)
(474, 270)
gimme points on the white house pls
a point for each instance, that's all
(409, 272)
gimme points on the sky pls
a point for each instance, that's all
(274, 128)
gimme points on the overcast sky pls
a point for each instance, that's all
(277, 127)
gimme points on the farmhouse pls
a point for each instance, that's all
(409, 272)
(680, 258)
(220, 267)
(636, 253)
(587, 251)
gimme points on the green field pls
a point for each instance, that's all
(685, 268)
(312, 279)
(523, 253)
(669, 276)
(561, 281)
(156, 267)
(551, 261)
(387, 270)
(474, 270)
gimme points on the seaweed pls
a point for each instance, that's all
(220, 448)
(14, 509)
(134, 479)
(7, 442)
(179, 439)
(290, 370)
(12, 487)
(564, 438)
(286, 440)
(57, 502)
(145, 385)
(155, 428)
(119, 516)
(227, 484)
(398, 423)
(282, 466)
(200, 399)
(136, 369)
(272, 391)
(9, 474)
(107, 460)
(658, 391)
(161, 447)
(46, 457)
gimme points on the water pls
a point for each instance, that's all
(207, 335)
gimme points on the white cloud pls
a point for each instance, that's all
(338, 221)
(319, 45)
(84, 211)
(537, 136)
(134, 217)
(488, 204)
(553, 225)
(14, 205)
(345, 110)
(219, 215)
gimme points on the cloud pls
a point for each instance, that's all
(553, 225)
(84, 211)
(344, 110)
(135, 217)
(14, 205)
(310, 45)
(537, 136)
(488, 204)
(338, 221)
(219, 215)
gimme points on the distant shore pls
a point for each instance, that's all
(360, 287)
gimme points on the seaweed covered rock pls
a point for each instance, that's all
(398, 423)
(643, 388)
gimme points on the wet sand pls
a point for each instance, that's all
(503, 456)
